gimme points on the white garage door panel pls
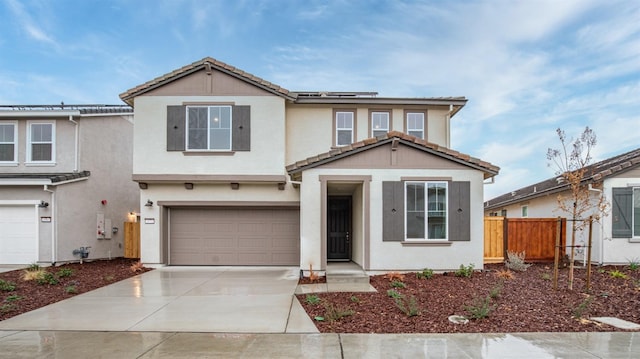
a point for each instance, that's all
(18, 235)
(237, 236)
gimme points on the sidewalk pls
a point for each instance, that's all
(122, 345)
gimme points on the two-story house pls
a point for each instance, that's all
(616, 236)
(65, 182)
(235, 170)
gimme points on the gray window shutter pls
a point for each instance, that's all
(392, 211)
(176, 123)
(241, 135)
(621, 212)
(459, 211)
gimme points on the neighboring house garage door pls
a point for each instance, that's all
(18, 235)
(234, 236)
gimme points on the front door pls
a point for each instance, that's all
(338, 228)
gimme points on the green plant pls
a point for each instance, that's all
(7, 286)
(579, 311)
(70, 289)
(33, 267)
(494, 293)
(480, 308)
(408, 306)
(65, 272)
(617, 274)
(47, 278)
(515, 261)
(393, 294)
(546, 276)
(425, 274)
(398, 284)
(464, 271)
(312, 299)
(5, 308)
(12, 298)
(355, 299)
(634, 264)
(335, 313)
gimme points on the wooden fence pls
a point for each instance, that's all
(132, 239)
(535, 236)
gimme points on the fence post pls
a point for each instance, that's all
(557, 254)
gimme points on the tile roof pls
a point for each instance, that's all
(54, 177)
(415, 142)
(594, 173)
(205, 63)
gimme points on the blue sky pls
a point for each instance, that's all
(527, 67)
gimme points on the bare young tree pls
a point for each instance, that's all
(571, 162)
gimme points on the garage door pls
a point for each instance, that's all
(234, 236)
(18, 235)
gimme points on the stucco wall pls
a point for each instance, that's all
(618, 250)
(267, 138)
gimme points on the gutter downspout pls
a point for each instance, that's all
(54, 234)
(76, 144)
(448, 127)
(601, 261)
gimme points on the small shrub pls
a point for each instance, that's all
(70, 289)
(7, 286)
(393, 294)
(634, 264)
(33, 267)
(464, 271)
(8, 307)
(495, 292)
(333, 313)
(617, 274)
(408, 306)
(137, 267)
(546, 276)
(425, 274)
(109, 278)
(64, 272)
(505, 274)
(47, 278)
(33, 274)
(355, 299)
(515, 261)
(579, 311)
(312, 299)
(12, 298)
(398, 284)
(480, 308)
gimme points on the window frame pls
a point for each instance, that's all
(635, 212)
(426, 202)
(372, 129)
(30, 143)
(14, 143)
(524, 211)
(424, 123)
(208, 130)
(336, 128)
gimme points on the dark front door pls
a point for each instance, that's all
(339, 228)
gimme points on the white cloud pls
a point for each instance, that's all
(30, 26)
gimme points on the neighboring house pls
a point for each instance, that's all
(235, 170)
(616, 239)
(65, 182)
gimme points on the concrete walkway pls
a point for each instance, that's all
(121, 345)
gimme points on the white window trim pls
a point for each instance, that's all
(351, 129)
(409, 129)
(208, 107)
(426, 210)
(386, 129)
(15, 145)
(28, 161)
(634, 235)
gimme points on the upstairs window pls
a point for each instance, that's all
(8, 142)
(415, 124)
(41, 142)
(344, 128)
(524, 211)
(379, 123)
(209, 128)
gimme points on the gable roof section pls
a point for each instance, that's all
(594, 173)
(208, 64)
(42, 178)
(295, 170)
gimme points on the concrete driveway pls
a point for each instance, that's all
(182, 299)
